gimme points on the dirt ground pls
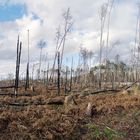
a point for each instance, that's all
(115, 116)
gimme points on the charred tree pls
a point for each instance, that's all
(66, 79)
(27, 77)
(71, 74)
(58, 73)
(27, 69)
(19, 46)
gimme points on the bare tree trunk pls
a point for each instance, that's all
(58, 80)
(103, 14)
(40, 60)
(27, 70)
(107, 39)
(27, 78)
(68, 25)
(71, 75)
(66, 79)
(17, 65)
(48, 74)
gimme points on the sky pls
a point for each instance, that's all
(43, 17)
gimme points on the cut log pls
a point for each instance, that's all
(32, 88)
(70, 100)
(56, 101)
(109, 90)
(91, 110)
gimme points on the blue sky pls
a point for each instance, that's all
(9, 12)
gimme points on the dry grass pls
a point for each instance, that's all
(117, 117)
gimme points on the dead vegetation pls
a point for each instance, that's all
(114, 116)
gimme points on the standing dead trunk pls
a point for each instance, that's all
(58, 74)
(71, 75)
(27, 78)
(47, 75)
(40, 60)
(66, 79)
(19, 46)
(103, 14)
(27, 70)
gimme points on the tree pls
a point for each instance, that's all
(90, 54)
(111, 3)
(67, 27)
(84, 56)
(61, 39)
(102, 14)
(27, 69)
(41, 45)
(19, 47)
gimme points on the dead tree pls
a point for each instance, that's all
(68, 25)
(47, 76)
(108, 24)
(71, 74)
(27, 69)
(27, 77)
(19, 46)
(66, 79)
(137, 47)
(41, 45)
(103, 14)
(108, 34)
(58, 73)
(45, 70)
(61, 38)
(58, 43)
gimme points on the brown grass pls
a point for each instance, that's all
(117, 117)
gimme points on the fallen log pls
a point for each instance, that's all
(28, 94)
(132, 84)
(12, 86)
(114, 90)
(108, 90)
(18, 104)
(56, 101)
(23, 94)
(25, 104)
(4, 87)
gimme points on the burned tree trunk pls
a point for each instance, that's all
(71, 74)
(27, 70)
(66, 79)
(48, 74)
(27, 77)
(19, 46)
(58, 73)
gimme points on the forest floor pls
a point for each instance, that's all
(115, 116)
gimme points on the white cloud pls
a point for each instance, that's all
(86, 29)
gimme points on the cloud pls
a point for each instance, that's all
(43, 17)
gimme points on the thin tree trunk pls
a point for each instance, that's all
(58, 80)
(66, 79)
(27, 70)
(71, 75)
(27, 78)
(17, 65)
